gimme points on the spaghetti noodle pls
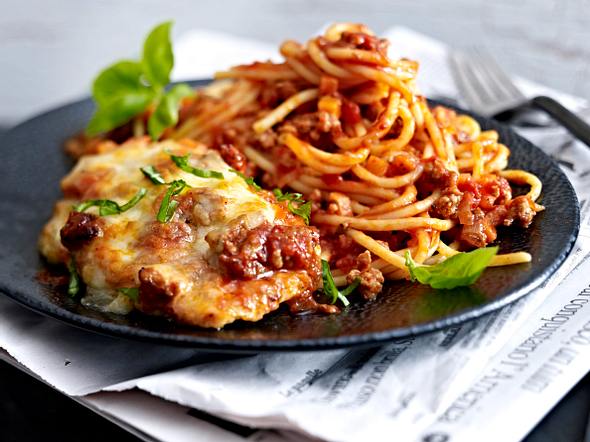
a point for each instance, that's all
(343, 124)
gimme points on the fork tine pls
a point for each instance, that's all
(471, 93)
(498, 73)
(489, 83)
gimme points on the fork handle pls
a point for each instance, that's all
(578, 127)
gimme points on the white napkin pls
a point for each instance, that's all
(79, 362)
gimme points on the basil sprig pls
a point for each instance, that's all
(248, 179)
(128, 87)
(152, 174)
(303, 209)
(183, 164)
(168, 205)
(109, 207)
(74, 285)
(459, 270)
(330, 288)
(131, 292)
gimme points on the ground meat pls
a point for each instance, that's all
(305, 302)
(446, 206)
(474, 233)
(351, 112)
(363, 261)
(466, 207)
(155, 291)
(339, 204)
(164, 236)
(232, 156)
(79, 230)
(311, 125)
(522, 210)
(276, 92)
(436, 176)
(328, 85)
(360, 40)
(248, 253)
(267, 139)
(371, 281)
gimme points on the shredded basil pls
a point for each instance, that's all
(330, 288)
(248, 179)
(303, 209)
(74, 285)
(168, 205)
(131, 292)
(109, 207)
(183, 164)
(152, 174)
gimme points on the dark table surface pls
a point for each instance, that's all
(32, 411)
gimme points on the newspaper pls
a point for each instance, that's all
(451, 385)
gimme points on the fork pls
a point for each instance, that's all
(489, 91)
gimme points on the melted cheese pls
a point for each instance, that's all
(182, 254)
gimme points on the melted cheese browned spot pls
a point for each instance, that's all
(228, 253)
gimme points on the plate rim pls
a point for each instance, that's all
(54, 311)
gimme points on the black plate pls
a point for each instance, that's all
(33, 164)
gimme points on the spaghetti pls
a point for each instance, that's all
(343, 124)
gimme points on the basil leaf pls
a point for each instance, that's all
(74, 284)
(168, 206)
(330, 288)
(158, 58)
(248, 179)
(133, 201)
(152, 174)
(288, 196)
(118, 79)
(166, 113)
(459, 270)
(131, 292)
(108, 207)
(182, 163)
(119, 110)
(304, 210)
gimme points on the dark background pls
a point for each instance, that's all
(32, 411)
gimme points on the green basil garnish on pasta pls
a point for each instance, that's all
(462, 269)
(330, 288)
(303, 209)
(248, 179)
(168, 205)
(74, 284)
(152, 174)
(131, 292)
(183, 163)
(109, 207)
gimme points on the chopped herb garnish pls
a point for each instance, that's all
(128, 88)
(182, 163)
(330, 288)
(304, 208)
(131, 292)
(152, 174)
(249, 180)
(168, 206)
(288, 196)
(108, 207)
(75, 284)
(459, 270)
